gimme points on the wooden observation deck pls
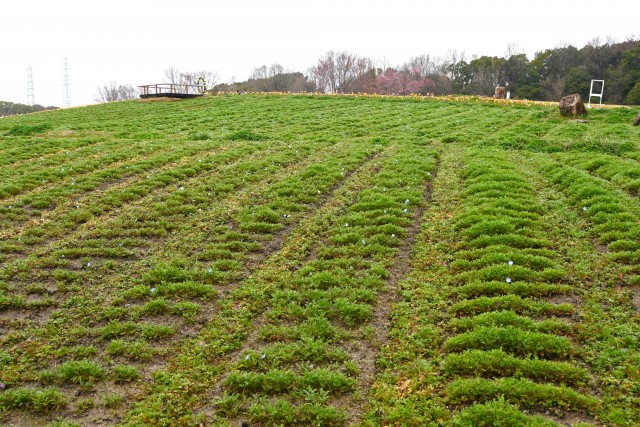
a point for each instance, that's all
(171, 90)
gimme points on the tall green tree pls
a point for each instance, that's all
(577, 80)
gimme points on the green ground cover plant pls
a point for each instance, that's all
(319, 260)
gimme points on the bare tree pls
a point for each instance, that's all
(365, 76)
(337, 72)
(115, 92)
(208, 79)
(189, 79)
(276, 69)
(425, 66)
(172, 75)
(435, 70)
(382, 64)
(512, 50)
(259, 73)
(345, 70)
(452, 61)
(324, 73)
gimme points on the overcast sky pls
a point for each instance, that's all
(134, 41)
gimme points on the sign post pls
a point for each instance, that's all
(596, 94)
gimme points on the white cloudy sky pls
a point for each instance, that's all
(134, 41)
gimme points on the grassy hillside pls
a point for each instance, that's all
(303, 260)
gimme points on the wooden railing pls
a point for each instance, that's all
(171, 89)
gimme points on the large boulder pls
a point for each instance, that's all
(500, 93)
(636, 122)
(572, 105)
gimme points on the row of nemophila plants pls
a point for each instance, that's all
(179, 288)
(238, 311)
(509, 347)
(485, 332)
(613, 213)
(304, 360)
(119, 237)
(622, 172)
(145, 176)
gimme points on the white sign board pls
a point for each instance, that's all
(596, 94)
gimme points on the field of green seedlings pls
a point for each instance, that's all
(319, 261)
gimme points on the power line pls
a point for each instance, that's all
(66, 101)
(30, 93)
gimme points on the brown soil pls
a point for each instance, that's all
(636, 298)
(253, 340)
(364, 350)
(159, 99)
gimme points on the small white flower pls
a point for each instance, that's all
(405, 210)
(508, 280)
(510, 263)
(88, 264)
(246, 357)
(584, 208)
(62, 255)
(346, 224)
(393, 235)
(181, 188)
(406, 201)
(263, 356)
(363, 242)
(153, 290)
(311, 273)
(210, 270)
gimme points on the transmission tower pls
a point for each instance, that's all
(66, 101)
(30, 95)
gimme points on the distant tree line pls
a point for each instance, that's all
(551, 74)
(13, 108)
(270, 79)
(115, 92)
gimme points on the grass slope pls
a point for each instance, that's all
(319, 260)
